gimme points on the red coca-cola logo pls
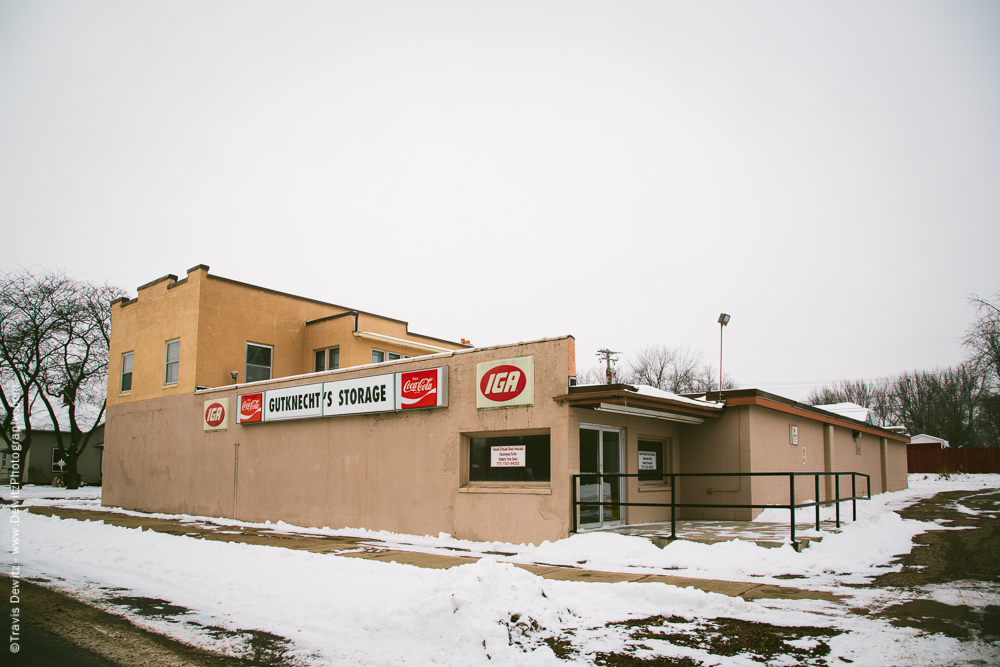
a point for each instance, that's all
(503, 383)
(251, 408)
(215, 414)
(419, 389)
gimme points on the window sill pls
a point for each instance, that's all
(654, 487)
(527, 490)
(170, 386)
(125, 393)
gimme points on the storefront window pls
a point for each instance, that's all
(653, 461)
(521, 458)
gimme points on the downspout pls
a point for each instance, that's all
(236, 478)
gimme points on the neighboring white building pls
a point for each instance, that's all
(929, 439)
(852, 411)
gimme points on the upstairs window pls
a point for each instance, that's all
(321, 363)
(258, 362)
(173, 362)
(126, 372)
(391, 356)
(378, 356)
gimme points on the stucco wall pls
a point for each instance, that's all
(160, 313)
(233, 314)
(718, 445)
(395, 471)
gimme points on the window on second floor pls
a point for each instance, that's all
(392, 356)
(126, 372)
(258, 362)
(327, 360)
(173, 362)
(378, 356)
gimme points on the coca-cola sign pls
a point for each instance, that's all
(418, 389)
(426, 388)
(251, 408)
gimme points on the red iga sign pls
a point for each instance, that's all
(251, 408)
(503, 383)
(216, 415)
(418, 389)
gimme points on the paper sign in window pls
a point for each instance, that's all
(647, 461)
(507, 456)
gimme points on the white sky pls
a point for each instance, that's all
(827, 173)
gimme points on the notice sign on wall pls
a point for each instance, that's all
(647, 461)
(505, 383)
(793, 435)
(507, 456)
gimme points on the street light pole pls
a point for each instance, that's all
(723, 321)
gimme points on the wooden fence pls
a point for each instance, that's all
(930, 458)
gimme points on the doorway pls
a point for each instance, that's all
(601, 451)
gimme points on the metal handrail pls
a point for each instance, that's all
(792, 506)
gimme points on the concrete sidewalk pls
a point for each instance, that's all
(370, 549)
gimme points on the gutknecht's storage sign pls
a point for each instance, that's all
(425, 388)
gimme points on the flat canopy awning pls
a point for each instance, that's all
(640, 401)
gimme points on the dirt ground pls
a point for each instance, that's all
(969, 552)
(59, 630)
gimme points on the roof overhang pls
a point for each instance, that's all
(756, 397)
(624, 399)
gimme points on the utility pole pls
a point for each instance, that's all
(609, 359)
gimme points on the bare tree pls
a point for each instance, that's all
(678, 370)
(982, 340)
(876, 395)
(54, 341)
(942, 402)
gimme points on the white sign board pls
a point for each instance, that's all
(293, 402)
(793, 435)
(376, 393)
(505, 383)
(507, 456)
(647, 461)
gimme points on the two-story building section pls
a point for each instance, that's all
(207, 331)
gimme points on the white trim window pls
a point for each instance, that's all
(126, 385)
(259, 359)
(173, 361)
(378, 356)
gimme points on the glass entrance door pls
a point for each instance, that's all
(600, 452)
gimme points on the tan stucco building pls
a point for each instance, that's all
(479, 443)
(176, 335)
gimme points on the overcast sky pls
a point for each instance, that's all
(827, 173)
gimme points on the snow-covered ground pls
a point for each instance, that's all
(338, 610)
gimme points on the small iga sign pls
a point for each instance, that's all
(216, 414)
(505, 383)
